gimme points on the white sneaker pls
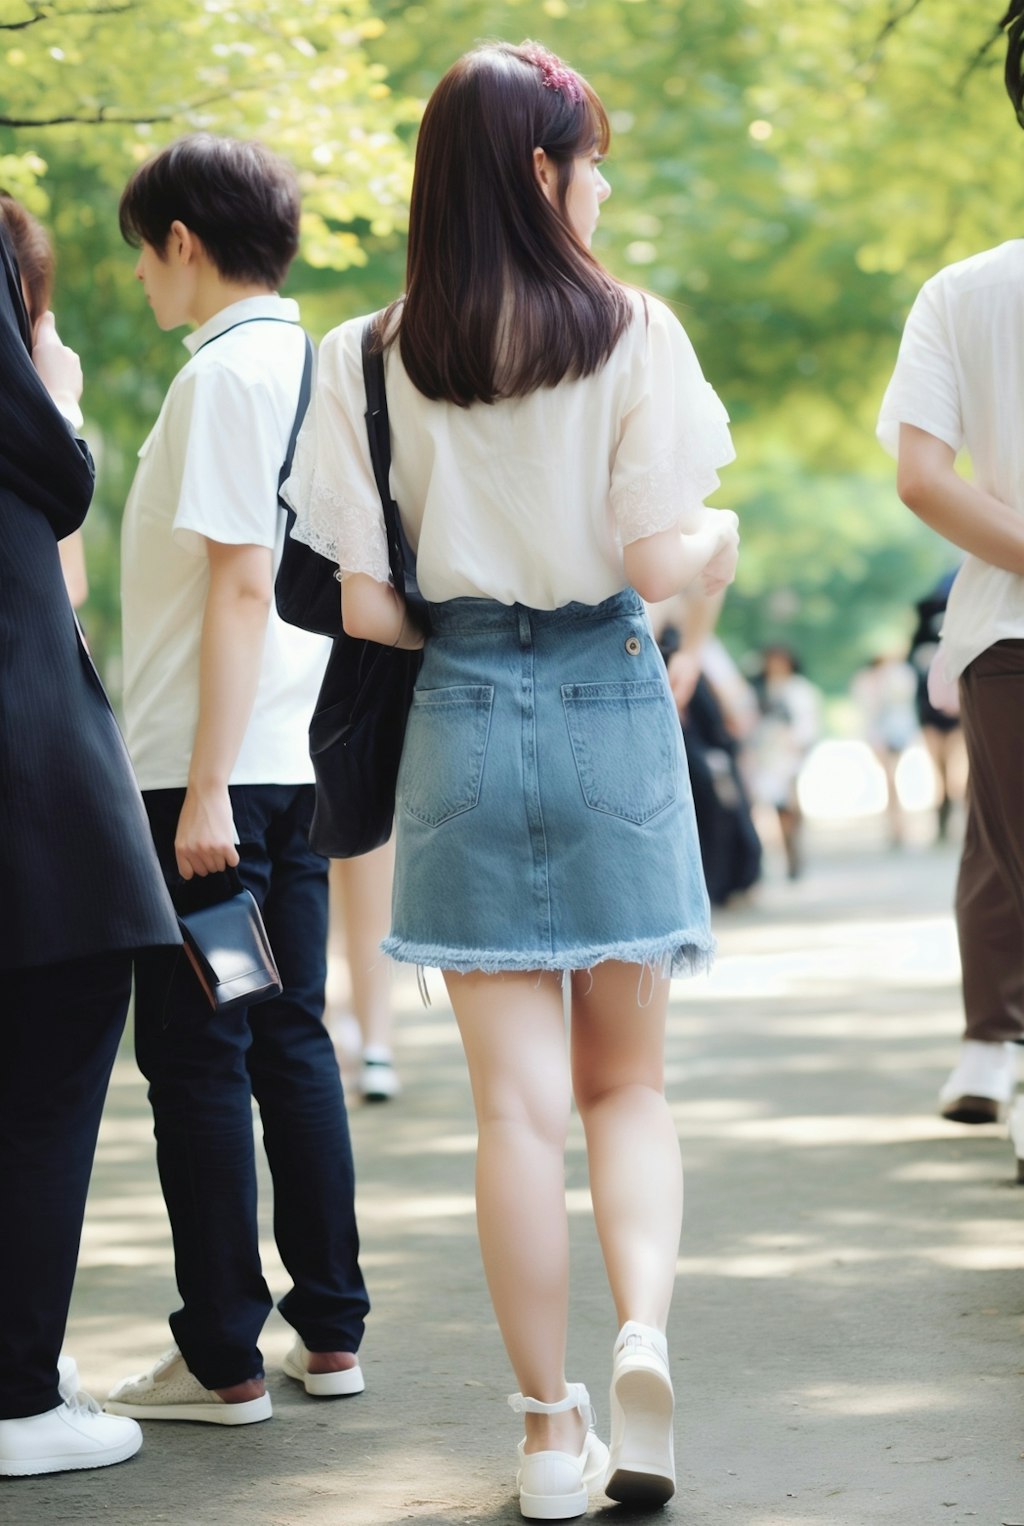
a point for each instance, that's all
(1017, 1135)
(641, 1468)
(378, 1078)
(74, 1435)
(556, 1486)
(170, 1392)
(322, 1385)
(982, 1083)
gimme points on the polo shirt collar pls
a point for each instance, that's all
(269, 306)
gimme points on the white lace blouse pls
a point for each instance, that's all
(527, 500)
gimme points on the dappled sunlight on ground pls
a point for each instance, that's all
(848, 1328)
(881, 1399)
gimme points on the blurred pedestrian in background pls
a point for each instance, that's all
(787, 729)
(884, 694)
(938, 715)
(717, 711)
(362, 1024)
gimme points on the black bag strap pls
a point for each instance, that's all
(401, 559)
(264, 318)
(305, 388)
(378, 430)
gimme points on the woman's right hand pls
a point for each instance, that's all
(60, 369)
(721, 569)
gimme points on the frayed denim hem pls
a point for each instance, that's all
(679, 956)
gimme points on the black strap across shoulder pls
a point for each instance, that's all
(305, 388)
(241, 325)
(378, 428)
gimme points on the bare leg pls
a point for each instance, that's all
(513, 1032)
(949, 759)
(361, 903)
(889, 761)
(791, 822)
(636, 1177)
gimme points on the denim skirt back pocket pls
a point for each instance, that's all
(445, 747)
(625, 742)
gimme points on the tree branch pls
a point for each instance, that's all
(896, 19)
(978, 58)
(42, 14)
(106, 116)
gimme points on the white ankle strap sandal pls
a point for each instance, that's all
(555, 1486)
(576, 1398)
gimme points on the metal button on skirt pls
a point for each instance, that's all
(544, 817)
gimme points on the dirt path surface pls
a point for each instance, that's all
(848, 1332)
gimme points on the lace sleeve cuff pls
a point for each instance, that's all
(344, 532)
(676, 485)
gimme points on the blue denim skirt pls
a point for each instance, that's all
(544, 817)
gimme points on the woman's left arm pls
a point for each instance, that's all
(377, 612)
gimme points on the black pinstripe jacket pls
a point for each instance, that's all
(78, 874)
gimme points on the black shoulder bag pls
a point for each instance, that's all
(358, 726)
(306, 591)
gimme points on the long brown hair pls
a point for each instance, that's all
(34, 253)
(501, 296)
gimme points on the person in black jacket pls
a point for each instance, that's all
(80, 890)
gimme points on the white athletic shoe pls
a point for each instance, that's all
(1017, 1135)
(641, 1469)
(378, 1078)
(170, 1392)
(982, 1083)
(74, 1435)
(322, 1385)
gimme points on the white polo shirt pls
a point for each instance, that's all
(960, 377)
(209, 470)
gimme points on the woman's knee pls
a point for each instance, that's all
(539, 1107)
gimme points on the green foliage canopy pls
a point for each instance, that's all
(785, 174)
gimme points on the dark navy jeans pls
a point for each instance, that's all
(205, 1068)
(61, 1027)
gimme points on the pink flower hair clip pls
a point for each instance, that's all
(557, 75)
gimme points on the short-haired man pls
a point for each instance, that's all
(218, 694)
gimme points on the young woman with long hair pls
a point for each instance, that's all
(553, 442)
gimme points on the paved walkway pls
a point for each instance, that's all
(849, 1325)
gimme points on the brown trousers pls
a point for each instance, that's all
(990, 889)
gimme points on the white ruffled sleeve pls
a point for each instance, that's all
(674, 434)
(332, 488)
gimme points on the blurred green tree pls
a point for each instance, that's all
(88, 88)
(785, 174)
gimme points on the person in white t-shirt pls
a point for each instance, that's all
(959, 385)
(553, 441)
(218, 696)
(883, 692)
